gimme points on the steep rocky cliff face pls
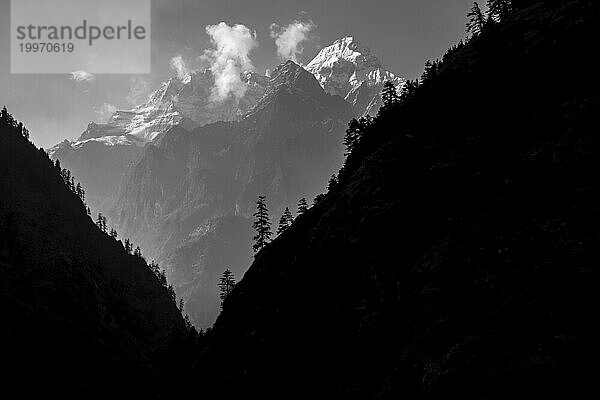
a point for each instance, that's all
(286, 148)
(458, 257)
(80, 317)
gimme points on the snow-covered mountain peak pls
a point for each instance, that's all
(348, 69)
(346, 49)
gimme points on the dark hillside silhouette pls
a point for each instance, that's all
(80, 317)
(457, 255)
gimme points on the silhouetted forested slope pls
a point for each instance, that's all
(458, 257)
(80, 317)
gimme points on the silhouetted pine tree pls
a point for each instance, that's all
(476, 22)
(101, 222)
(409, 89)
(389, 96)
(154, 268)
(7, 118)
(333, 182)
(4, 115)
(89, 211)
(366, 121)
(162, 277)
(285, 221)
(188, 324)
(352, 137)
(127, 245)
(302, 206)
(430, 72)
(172, 294)
(113, 234)
(80, 192)
(226, 285)
(262, 225)
(23, 130)
(57, 166)
(137, 252)
(181, 305)
(66, 174)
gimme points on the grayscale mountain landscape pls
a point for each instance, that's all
(307, 200)
(172, 171)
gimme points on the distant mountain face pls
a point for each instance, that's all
(100, 155)
(77, 311)
(351, 71)
(286, 148)
(98, 164)
(184, 102)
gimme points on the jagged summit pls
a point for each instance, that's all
(285, 70)
(177, 101)
(348, 69)
(293, 75)
(292, 80)
(347, 48)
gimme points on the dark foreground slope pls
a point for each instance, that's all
(80, 318)
(459, 256)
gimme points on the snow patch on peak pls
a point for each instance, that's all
(348, 69)
(348, 49)
(177, 101)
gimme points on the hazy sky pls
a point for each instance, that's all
(402, 33)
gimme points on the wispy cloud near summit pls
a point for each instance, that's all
(229, 58)
(178, 65)
(290, 39)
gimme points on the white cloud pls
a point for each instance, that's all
(179, 66)
(82, 76)
(229, 58)
(289, 39)
(105, 111)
